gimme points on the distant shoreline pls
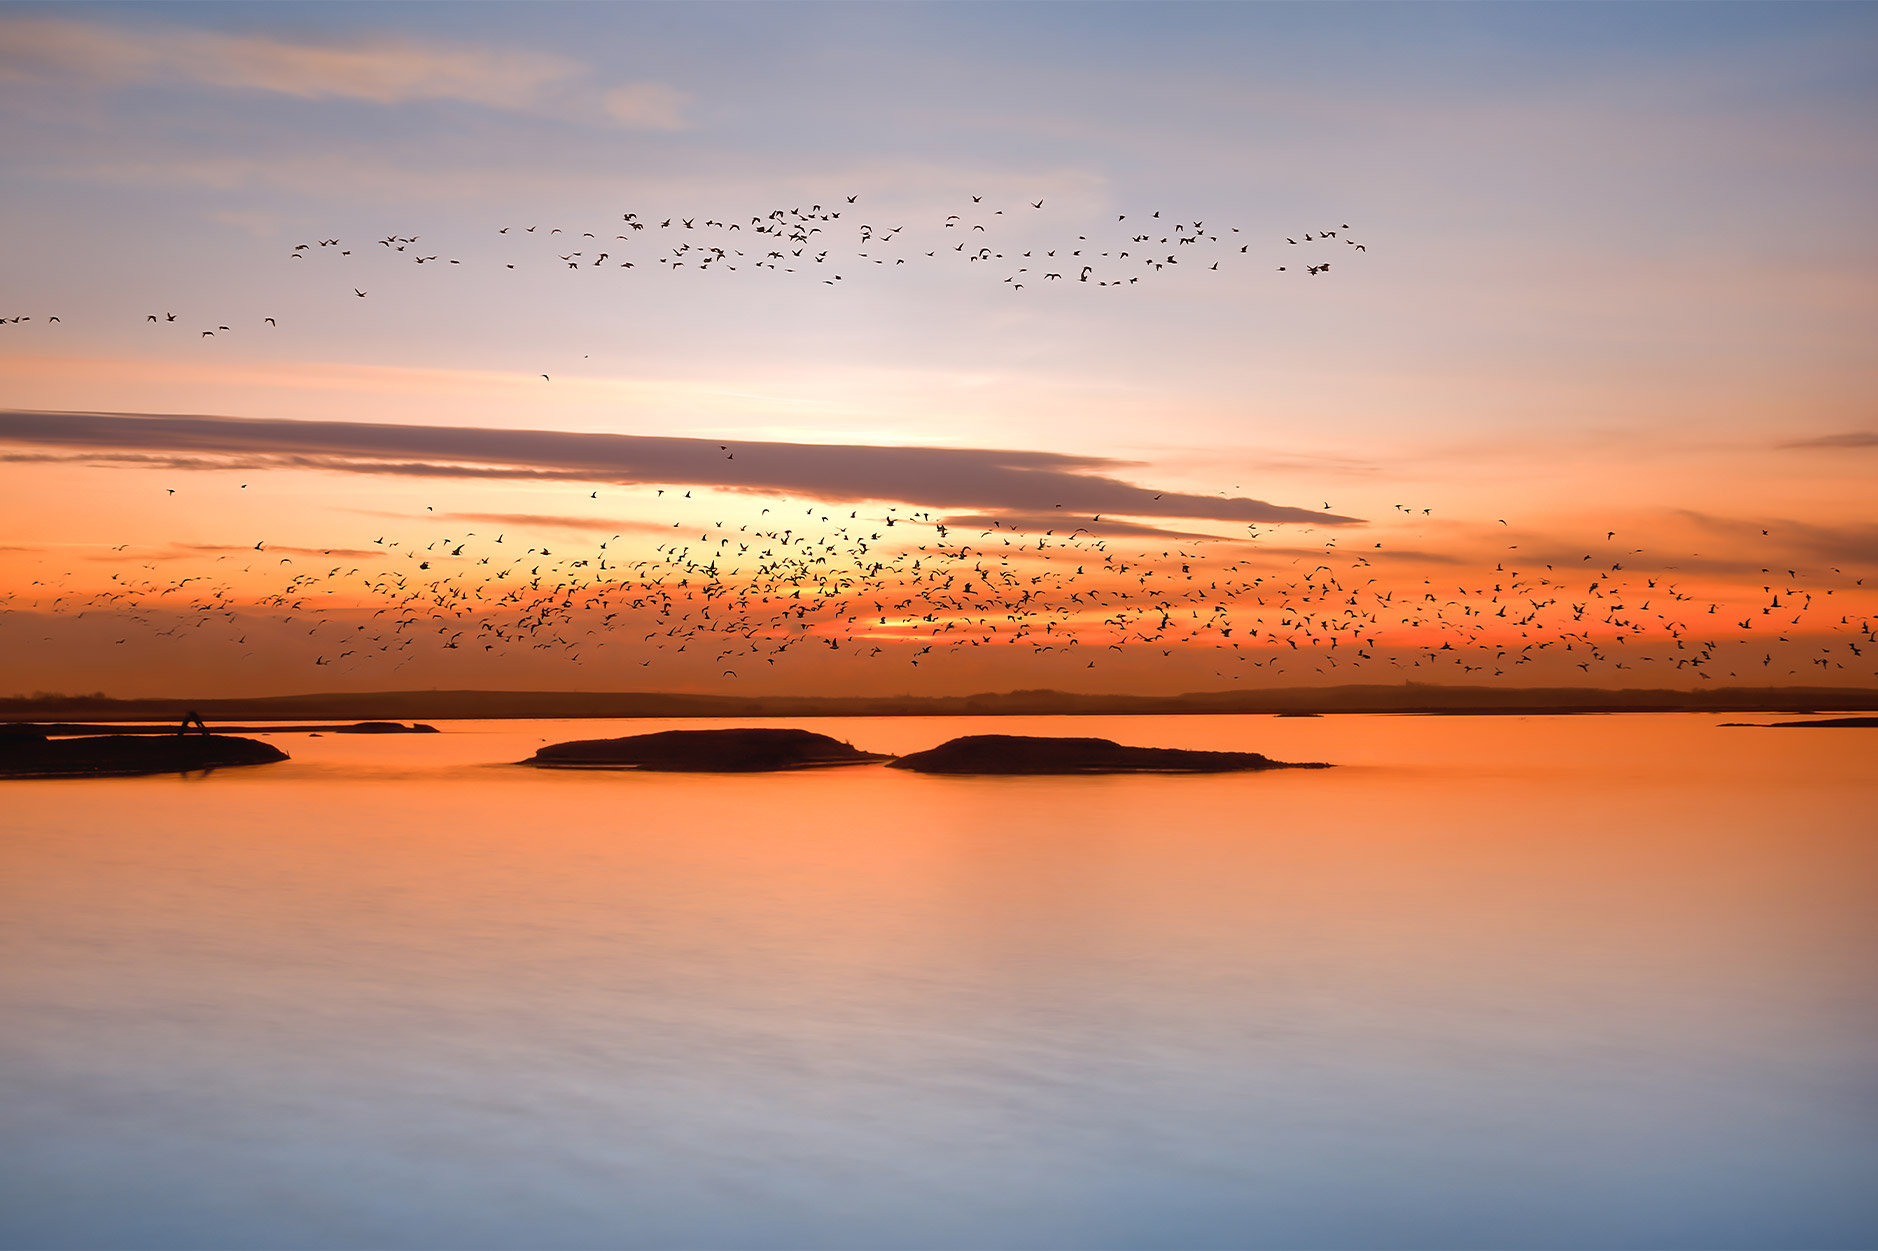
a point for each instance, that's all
(1406, 699)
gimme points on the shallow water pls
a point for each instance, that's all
(1570, 981)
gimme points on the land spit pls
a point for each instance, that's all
(124, 755)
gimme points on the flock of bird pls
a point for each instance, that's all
(833, 244)
(817, 241)
(909, 587)
(906, 587)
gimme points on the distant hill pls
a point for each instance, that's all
(475, 705)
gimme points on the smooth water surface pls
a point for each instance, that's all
(1568, 981)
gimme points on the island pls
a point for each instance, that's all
(67, 729)
(27, 755)
(1830, 723)
(382, 727)
(1017, 754)
(705, 751)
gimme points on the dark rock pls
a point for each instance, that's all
(67, 729)
(384, 727)
(123, 755)
(1831, 723)
(705, 751)
(1012, 753)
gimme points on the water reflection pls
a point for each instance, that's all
(1584, 981)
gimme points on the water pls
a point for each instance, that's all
(1514, 982)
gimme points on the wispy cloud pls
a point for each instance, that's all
(646, 106)
(380, 69)
(1787, 539)
(1850, 439)
(1063, 524)
(271, 549)
(555, 521)
(1002, 481)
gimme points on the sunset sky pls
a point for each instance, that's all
(1595, 344)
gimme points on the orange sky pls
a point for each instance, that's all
(1575, 376)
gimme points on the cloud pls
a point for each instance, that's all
(386, 71)
(646, 106)
(1027, 483)
(189, 551)
(1780, 538)
(379, 69)
(271, 549)
(1852, 438)
(1066, 526)
(546, 521)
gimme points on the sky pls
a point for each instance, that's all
(1587, 352)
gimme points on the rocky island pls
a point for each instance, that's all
(29, 755)
(382, 727)
(705, 751)
(1015, 754)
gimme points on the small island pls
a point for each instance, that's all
(69, 729)
(1830, 723)
(705, 751)
(28, 755)
(382, 727)
(1019, 754)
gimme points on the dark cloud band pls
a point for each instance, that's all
(1031, 483)
(1850, 439)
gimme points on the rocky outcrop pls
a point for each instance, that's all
(705, 751)
(1012, 753)
(123, 755)
(382, 727)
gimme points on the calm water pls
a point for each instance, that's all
(1523, 982)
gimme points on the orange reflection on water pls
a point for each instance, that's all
(1495, 974)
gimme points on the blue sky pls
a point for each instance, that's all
(1577, 210)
